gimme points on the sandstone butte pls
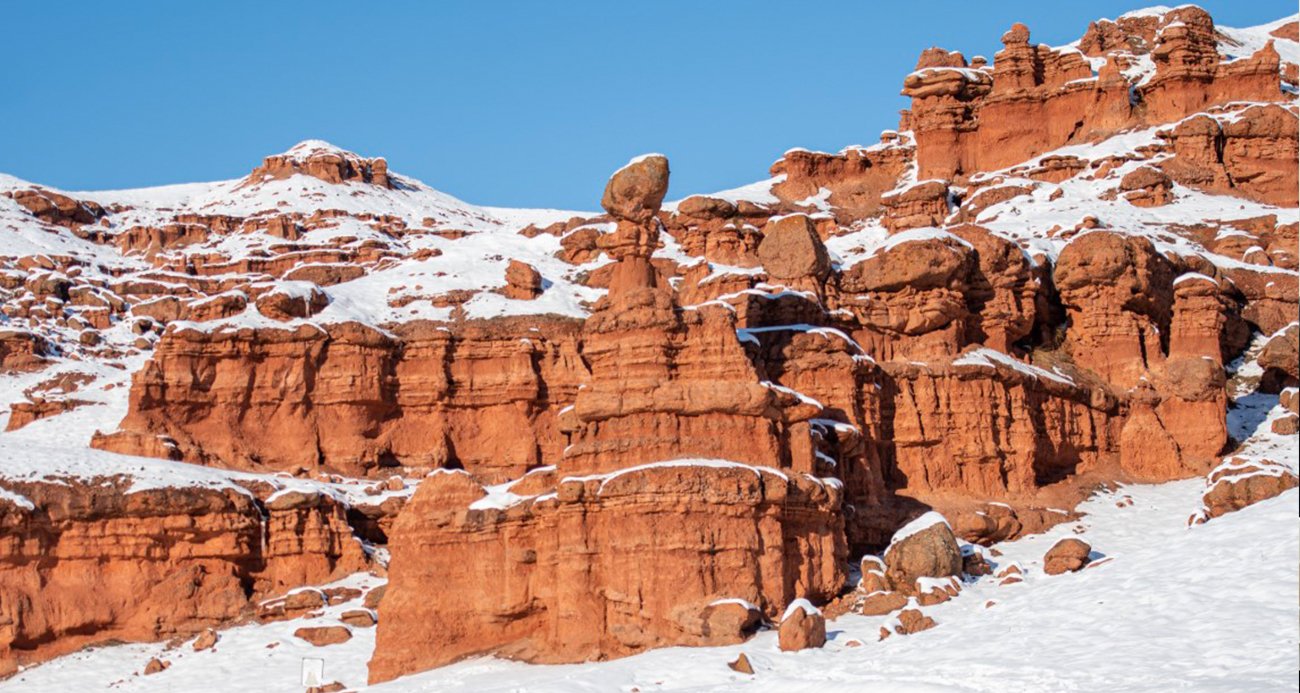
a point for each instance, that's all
(663, 423)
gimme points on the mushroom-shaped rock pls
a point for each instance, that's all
(321, 636)
(791, 249)
(802, 626)
(924, 547)
(1066, 556)
(1018, 33)
(523, 281)
(636, 191)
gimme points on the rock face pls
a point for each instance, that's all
(1035, 99)
(752, 387)
(671, 392)
(483, 397)
(545, 603)
(89, 563)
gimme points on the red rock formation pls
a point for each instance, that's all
(991, 430)
(523, 281)
(54, 208)
(1118, 292)
(1252, 155)
(21, 351)
(1036, 99)
(482, 396)
(1239, 483)
(1280, 359)
(320, 160)
(508, 581)
(856, 178)
(922, 204)
(88, 562)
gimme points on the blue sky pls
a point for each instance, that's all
(503, 103)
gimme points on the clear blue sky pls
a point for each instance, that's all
(502, 103)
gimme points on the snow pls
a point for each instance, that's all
(1206, 608)
(920, 524)
(992, 358)
(604, 479)
(803, 605)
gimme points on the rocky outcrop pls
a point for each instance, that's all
(83, 562)
(1250, 155)
(509, 583)
(673, 430)
(1242, 482)
(1035, 99)
(323, 161)
(350, 399)
(852, 181)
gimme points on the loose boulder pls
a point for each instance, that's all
(321, 636)
(925, 547)
(1066, 556)
(802, 626)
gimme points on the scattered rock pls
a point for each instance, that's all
(802, 626)
(156, 665)
(206, 640)
(741, 664)
(1066, 556)
(360, 618)
(321, 636)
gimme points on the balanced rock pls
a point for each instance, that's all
(636, 191)
(791, 249)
